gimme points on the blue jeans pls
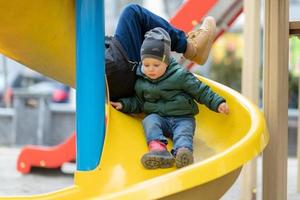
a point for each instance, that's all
(135, 21)
(179, 129)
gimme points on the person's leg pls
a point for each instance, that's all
(183, 134)
(199, 42)
(154, 128)
(135, 21)
(158, 155)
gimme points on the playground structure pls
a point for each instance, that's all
(34, 156)
(222, 151)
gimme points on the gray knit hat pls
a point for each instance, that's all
(157, 44)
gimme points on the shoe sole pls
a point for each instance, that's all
(212, 26)
(184, 157)
(155, 162)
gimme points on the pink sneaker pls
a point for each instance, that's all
(157, 157)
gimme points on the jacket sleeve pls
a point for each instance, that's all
(201, 92)
(131, 104)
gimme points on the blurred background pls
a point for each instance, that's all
(37, 110)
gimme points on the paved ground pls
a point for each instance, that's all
(41, 181)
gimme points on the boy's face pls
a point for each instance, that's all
(154, 68)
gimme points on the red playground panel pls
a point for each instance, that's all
(47, 157)
(191, 13)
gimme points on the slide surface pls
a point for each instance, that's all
(40, 34)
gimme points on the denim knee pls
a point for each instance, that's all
(151, 119)
(132, 9)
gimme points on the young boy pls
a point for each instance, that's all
(165, 92)
(122, 53)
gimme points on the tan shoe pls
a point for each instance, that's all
(199, 41)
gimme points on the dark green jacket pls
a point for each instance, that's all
(172, 94)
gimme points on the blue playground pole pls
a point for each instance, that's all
(90, 83)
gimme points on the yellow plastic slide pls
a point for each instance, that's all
(40, 34)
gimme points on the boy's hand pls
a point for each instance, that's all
(223, 108)
(117, 105)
